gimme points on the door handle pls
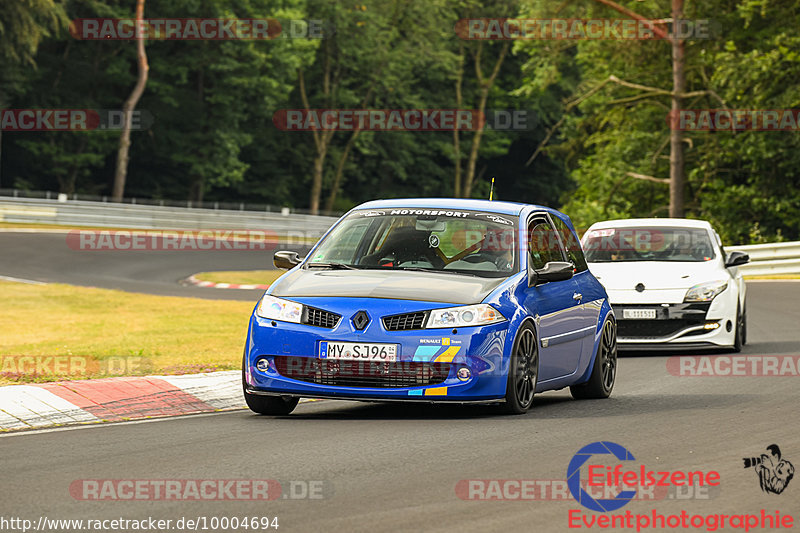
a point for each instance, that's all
(577, 296)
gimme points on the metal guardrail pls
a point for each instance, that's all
(780, 258)
(765, 259)
(136, 216)
(229, 206)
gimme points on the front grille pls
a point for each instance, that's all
(318, 317)
(653, 328)
(670, 320)
(362, 373)
(405, 321)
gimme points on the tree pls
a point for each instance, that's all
(677, 177)
(372, 59)
(23, 25)
(613, 135)
(127, 109)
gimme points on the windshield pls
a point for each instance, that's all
(648, 244)
(462, 242)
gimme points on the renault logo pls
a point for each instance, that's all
(360, 320)
(639, 287)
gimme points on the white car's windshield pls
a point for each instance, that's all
(465, 242)
(648, 244)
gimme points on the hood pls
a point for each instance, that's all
(400, 285)
(656, 274)
(664, 282)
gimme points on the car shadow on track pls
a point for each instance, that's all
(546, 406)
(751, 348)
(671, 352)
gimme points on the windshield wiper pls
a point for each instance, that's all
(335, 266)
(439, 271)
(418, 269)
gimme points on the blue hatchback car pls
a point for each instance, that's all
(433, 300)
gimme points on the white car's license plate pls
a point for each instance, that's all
(638, 313)
(358, 351)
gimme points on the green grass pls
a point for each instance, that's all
(153, 334)
(243, 277)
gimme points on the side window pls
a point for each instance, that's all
(573, 246)
(543, 244)
(345, 249)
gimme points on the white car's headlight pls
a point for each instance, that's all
(279, 309)
(467, 315)
(705, 292)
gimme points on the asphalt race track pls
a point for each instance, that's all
(396, 467)
(47, 257)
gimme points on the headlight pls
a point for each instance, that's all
(705, 292)
(279, 309)
(468, 315)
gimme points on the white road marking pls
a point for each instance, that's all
(20, 280)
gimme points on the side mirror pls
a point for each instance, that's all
(552, 271)
(737, 259)
(286, 260)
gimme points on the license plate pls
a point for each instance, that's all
(638, 313)
(358, 351)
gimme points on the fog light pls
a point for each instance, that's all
(262, 365)
(463, 374)
(711, 325)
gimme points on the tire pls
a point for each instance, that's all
(604, 370)
(267, 405)
(741, 331)
(744, 324)
(523, 372)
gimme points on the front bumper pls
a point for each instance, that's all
(282, 359)
(684, 325)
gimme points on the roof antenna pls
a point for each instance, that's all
(491, 190)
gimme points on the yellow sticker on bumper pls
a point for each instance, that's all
(448, 355)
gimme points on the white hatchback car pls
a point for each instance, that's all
(670, 283)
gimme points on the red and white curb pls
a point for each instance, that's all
(210, 284)
(115, 399)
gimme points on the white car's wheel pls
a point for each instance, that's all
(740, 337)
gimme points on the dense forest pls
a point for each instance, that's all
(597, 143)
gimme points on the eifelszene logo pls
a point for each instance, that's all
(574, 476)
(774, 472)
(613, 478)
